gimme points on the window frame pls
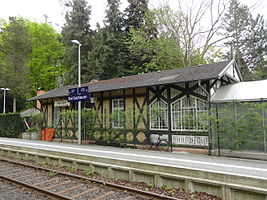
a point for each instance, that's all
(117, 109)
(197, 110)
(166, 117)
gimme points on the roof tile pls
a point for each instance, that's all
(203, 72)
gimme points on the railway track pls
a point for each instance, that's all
(60, 185)
(9, 190)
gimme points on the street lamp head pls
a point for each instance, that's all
(6, 89)
(76, 42)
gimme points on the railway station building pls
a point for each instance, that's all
(137, 109)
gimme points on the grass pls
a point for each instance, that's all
(88, 172)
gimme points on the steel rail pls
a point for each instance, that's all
(121, 187)
(40, 190)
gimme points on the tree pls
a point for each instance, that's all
(192, 32)
(44, 59)
(152, 50)
(255, 49)
(77, 27)
(138, 19)
(108, 53)
(237, 22)
(154, 54)
(95, 58)
(15, 48)
(248, 40)
(135, 13)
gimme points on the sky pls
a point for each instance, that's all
(54, 9)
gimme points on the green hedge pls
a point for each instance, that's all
(11, 125)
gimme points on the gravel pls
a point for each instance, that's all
(10, 191)
(78, 190)
(101, 189)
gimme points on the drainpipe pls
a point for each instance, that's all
(209, 114)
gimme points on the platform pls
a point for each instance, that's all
(228, 178)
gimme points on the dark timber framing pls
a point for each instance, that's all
(141, 91)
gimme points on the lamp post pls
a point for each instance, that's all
(4, 104)
(79, 85)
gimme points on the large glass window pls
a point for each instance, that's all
(188, 114)
(117, 113)
(159, 115)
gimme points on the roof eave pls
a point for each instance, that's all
(62, 96)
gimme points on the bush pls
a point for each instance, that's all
(11, 125)
(35, 121)
(240, 126)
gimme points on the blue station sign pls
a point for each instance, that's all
(83, 90)
(73, 91)
(79, 94)
(83, 97)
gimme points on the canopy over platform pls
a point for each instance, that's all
(242, 91)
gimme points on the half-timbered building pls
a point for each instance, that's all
(137, 108)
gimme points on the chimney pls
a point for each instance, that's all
(38, 103)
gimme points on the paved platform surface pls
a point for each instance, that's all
(241, 167)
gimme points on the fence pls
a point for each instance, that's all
(234, 126)
(239, 126)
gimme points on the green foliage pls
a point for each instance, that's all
(107, 138)
(109, 51)
(95, 59)
(107, 44)
(32, 129)
(14, 50)
(121, 140)
(155, 54)
(68, 116)
(88, 172)
(77, 27)
(247, 39)
(150, 184)
(69, 119)
(150, 51)
(52, 173)
(43, 163)
(135, 13)
(29, 54)
(11, 125)
(36, 121)
(89, 119)
(73, 169)
(165, 187)
(45, 68)
(240, 125)
(190, 31)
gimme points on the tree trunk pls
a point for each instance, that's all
(14, 104)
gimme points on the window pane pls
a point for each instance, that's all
(159, 115)
(187, 114)
(117, 112)
(121, 103)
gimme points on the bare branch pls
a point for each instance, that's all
(195, 27)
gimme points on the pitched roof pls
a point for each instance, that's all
(201, 72)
